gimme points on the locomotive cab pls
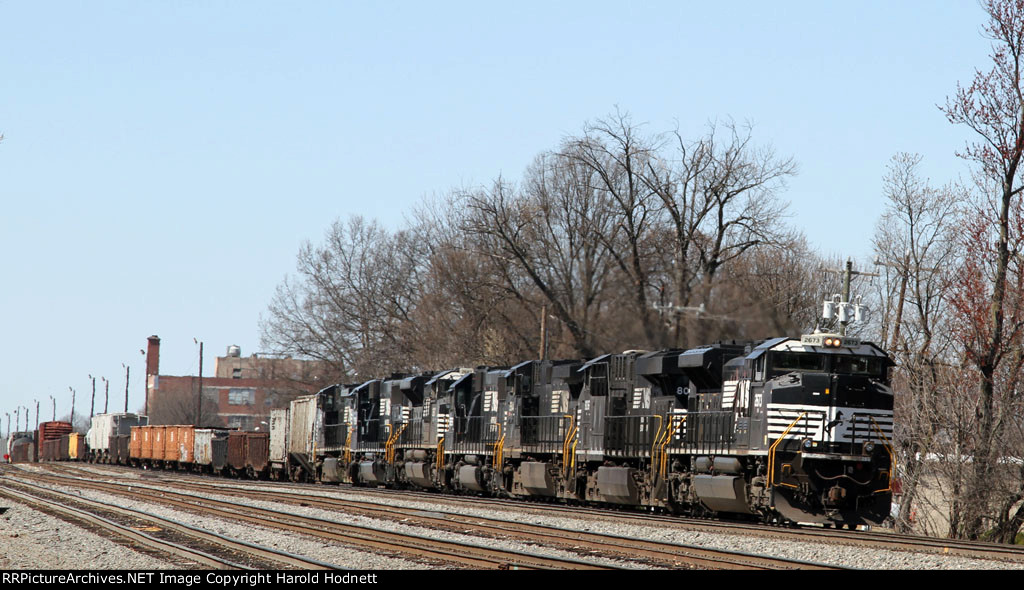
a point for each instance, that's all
(828, 427)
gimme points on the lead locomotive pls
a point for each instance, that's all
(783, 430)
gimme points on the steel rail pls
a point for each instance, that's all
(669, 553)
(809, 534)
(472, 554)
(266, 553)
(114, 529)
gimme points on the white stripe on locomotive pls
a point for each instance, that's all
(848, 424)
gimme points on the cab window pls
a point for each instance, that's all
(785, 362)
(859, 365)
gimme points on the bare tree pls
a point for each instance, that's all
(915, 246)
(175, 403)
(617, 157)
(721, 199)
(915, 242)
(993, 107)
(351, 298)
(777, 289)
(466, 315)
(545, 239)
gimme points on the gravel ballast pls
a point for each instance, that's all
(33, 540)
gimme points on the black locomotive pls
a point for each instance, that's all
(782, 430)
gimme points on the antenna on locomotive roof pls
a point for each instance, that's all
(840, 305)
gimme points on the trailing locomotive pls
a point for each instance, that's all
(783, 430)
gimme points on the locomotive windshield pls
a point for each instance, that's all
(859, 365)
(786, 362)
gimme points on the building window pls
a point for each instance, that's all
(241, 397)
(236, 373)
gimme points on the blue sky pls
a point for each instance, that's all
(164, 161)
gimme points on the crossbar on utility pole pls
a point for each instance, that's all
(848, 273)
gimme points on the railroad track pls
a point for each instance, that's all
(460, 554)
(231, 553)
(867, 539)
(639, 552)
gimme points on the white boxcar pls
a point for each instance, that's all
(104, 426)
(305, 426)
(278, 436)
(203, 448)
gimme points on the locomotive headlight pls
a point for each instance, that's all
(828, 342)
(868, 447)
(807, 443)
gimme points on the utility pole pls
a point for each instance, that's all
(72, 408)
(54, 400)
(678, 312)
(127, 374)
(199, 401)
(843, 304)
(92, 404)
(145, 382)
(37, 413)
(543, 332)
(106, 393)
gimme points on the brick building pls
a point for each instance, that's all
(240, 394)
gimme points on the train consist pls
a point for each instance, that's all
(781, 430)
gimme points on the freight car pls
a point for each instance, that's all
(52, 446)
(205, 450)
(781, 430)
(108, 434)
(21, 447)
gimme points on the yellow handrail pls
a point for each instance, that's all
(348, 445)
(572, 457)
(389, 447)
(663, 468)
(655, 445)
(440, 455)
(888, 449)
(771, 453)
(499, 449)
(570, 435)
